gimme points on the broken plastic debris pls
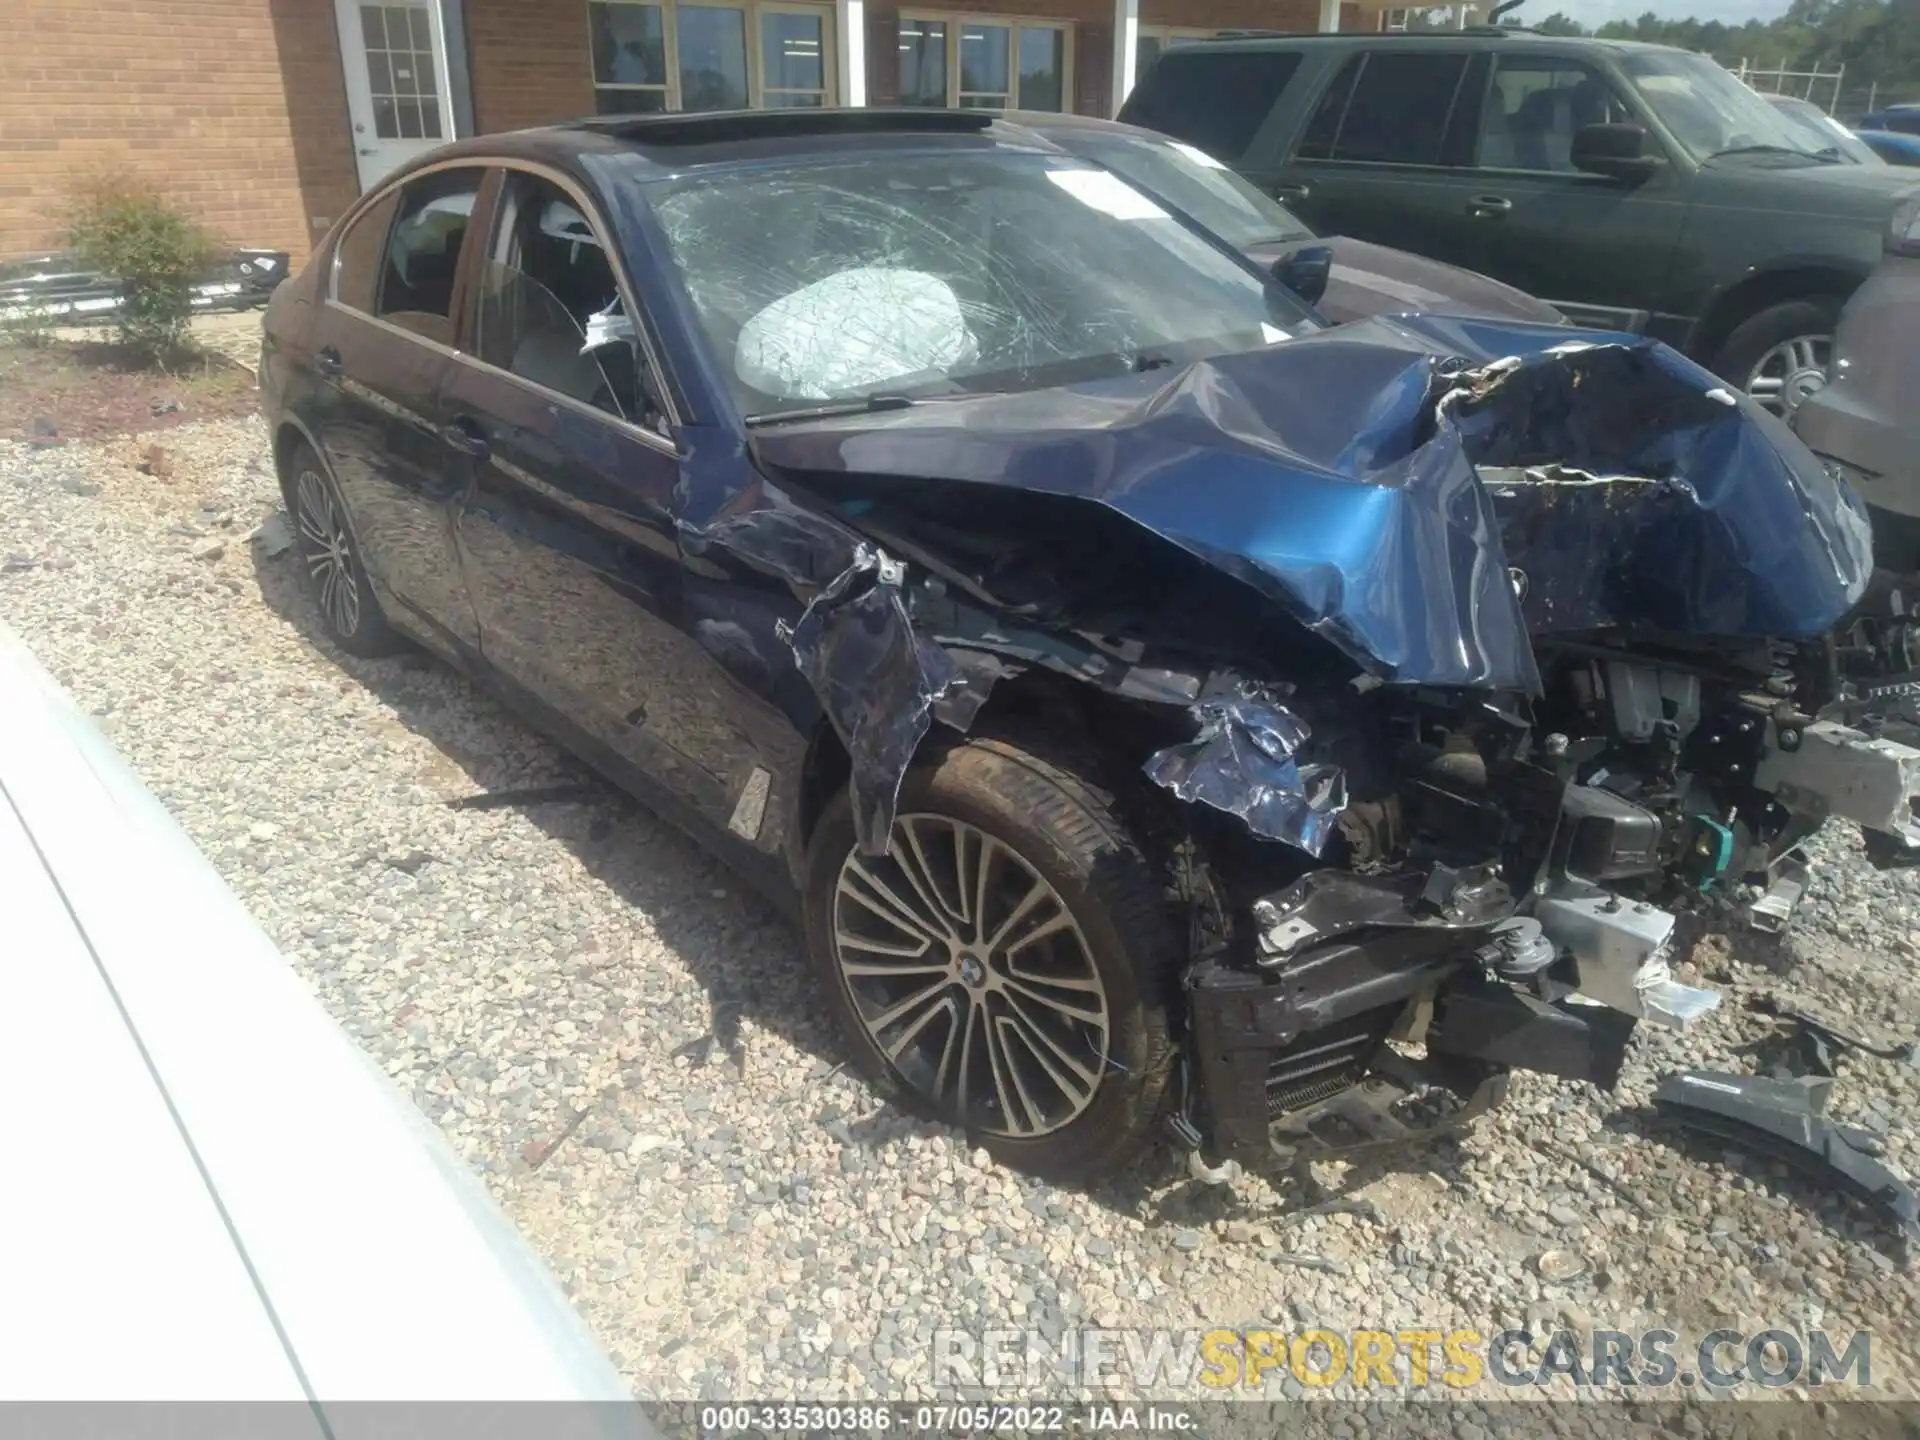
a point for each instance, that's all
(1242, 762)
(876, 679)
(1782, 1119)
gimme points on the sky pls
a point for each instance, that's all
(1598, 12)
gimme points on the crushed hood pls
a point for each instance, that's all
(1425, 493)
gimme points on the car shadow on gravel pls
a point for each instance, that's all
(699, 909)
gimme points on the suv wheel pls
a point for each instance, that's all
(349, 613)
(1782, 354)
(1008, 965)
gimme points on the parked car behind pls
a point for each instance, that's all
(1897, 119)
(229, 1201)
(1892, 146)
(1866, 421)
(1635, 187)
(1827, 136)
(1365, 279)
(1147, 698)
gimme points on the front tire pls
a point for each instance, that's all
(330, 560)
(1008, 966)
(1782, 354)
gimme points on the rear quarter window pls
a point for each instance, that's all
(1216, 100)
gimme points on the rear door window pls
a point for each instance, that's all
(1387, 107)
(1215, 100)
(360, 255)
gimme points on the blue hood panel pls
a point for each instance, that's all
(1383, 481)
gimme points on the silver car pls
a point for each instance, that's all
(1864, 423)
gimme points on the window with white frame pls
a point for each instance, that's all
(984, 62)
(682, 56)
(1154, 40)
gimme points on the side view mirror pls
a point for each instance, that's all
(1304, 271)
(1617, 150)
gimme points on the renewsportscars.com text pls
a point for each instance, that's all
(1236, 1361)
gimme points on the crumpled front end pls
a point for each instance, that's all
(1445, 652)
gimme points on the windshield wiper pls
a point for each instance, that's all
(871, 405)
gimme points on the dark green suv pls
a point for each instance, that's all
(1636, 187)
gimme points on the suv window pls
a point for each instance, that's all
(1533, 107)
(423, 251)
(550, 307)
(1216, 100)
(1386, 107)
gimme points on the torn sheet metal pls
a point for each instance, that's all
(1242, 762)
(1782, 1119)
(876, 680)
(1328, 475)
(1633, 488)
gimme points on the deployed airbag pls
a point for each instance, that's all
(853, 331)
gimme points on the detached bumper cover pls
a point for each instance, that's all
(1782, 1119)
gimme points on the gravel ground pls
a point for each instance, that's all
(735, 1217)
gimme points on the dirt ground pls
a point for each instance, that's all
(79, 385)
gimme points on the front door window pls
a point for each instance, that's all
(650, 57)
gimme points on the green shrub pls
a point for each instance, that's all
(120, 225)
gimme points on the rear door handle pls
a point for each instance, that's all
(1291, 190)
(328, 361)
(1489, 205)
(468, 436)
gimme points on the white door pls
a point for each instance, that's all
(397, 84)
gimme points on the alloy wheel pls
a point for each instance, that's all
(1790, 372)
(972, 977)
(329, 552)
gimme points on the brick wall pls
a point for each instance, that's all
(530, 60)
(236, 108)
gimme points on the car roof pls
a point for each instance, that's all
(675, 142)
(1472, 37)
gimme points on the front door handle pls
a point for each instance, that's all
(468, 436)
(1292, 190)
(328, 361)
(1489, 205)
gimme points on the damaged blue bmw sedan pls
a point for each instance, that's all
(1167, 716)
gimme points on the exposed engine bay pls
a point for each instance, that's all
(1437, 697)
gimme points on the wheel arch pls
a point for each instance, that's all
(288, 434)
(1099, 734)
(1751, 294)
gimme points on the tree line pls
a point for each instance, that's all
(1877, 41)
